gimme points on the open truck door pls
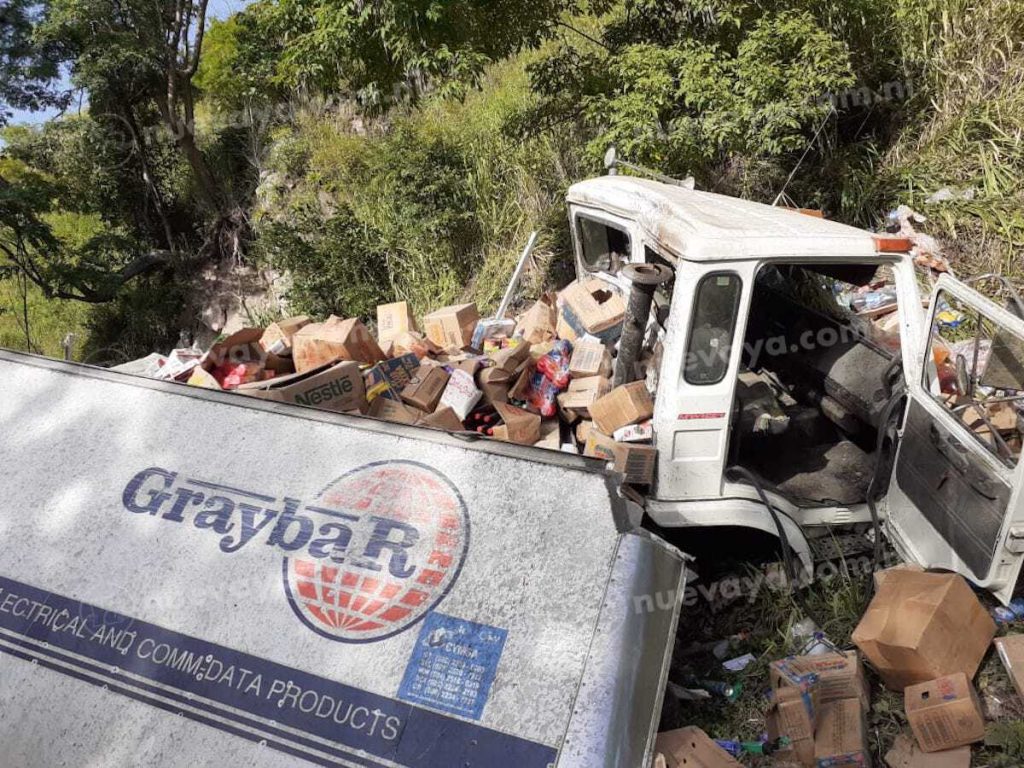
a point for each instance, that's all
(955, 498)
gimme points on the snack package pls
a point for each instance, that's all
(555, 364)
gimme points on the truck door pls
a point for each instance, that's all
(955, 499)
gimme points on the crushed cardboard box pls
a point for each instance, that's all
(944, 713)
(277, 338)
(520, 426)
(394, 410)
(335, 387)
(334, 339)
(793, 711)
(582, 393)
(921, 626)
(691, 747)
(538, 324)
(905, 754)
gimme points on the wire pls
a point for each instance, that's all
(787, 557)
(817, 133)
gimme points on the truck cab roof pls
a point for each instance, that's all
(703, 226)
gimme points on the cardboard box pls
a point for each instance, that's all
(202, 379)
(1011, 653)
(390, 377)
(564, 330)
(550, 435)
(334, 339)
(494, 383)
(624, 405)
(590, 358)
(839, 676)
(635, 462)
(512, 357)
(593, 306)
(905, 754)
(425, 388)
(583, 392)
(452, 326)
(841, 736)
(944, 713)
(413, 342)
(443, 418)
(277, 338)
(520, 426)
(392, 410)
(538, 324)
(520, 389)
(332, 387)
(461, 394)
(921, 626)
(394, 320)
(583, 431)
(794, 711)
(690, 747)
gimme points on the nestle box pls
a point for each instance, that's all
(394, 320)
(425, 388)
(519, 426)
(906, 754)
(583, 392)
(590, 358)
(841, 736)
(277, 338)
(622, 406)
(593, 306)
(944, 713)
(839, 676)
(921, 626)
(538, 324)
(338, 387)
(334, 339)
(635, 462)
(690, 747)
(452, 326)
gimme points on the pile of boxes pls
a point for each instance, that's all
(543, 379)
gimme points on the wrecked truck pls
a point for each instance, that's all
(191, 577)
(780, 410)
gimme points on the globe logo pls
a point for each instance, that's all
(403, 533)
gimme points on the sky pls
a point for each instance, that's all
(217, 9)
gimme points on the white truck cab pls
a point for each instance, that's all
(757, 366)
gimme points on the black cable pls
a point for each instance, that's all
(883, 429)
(787, 557)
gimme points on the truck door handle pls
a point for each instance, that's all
(952, 449)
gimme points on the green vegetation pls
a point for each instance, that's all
(405, 149)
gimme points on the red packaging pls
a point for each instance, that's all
(555, 365)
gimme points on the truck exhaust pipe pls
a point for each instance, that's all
(645, 279)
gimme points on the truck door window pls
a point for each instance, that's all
(976, 371)
(714, 321)
(604, 247)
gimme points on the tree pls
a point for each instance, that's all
(137, 56)
(29, 72)
(387, 51)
